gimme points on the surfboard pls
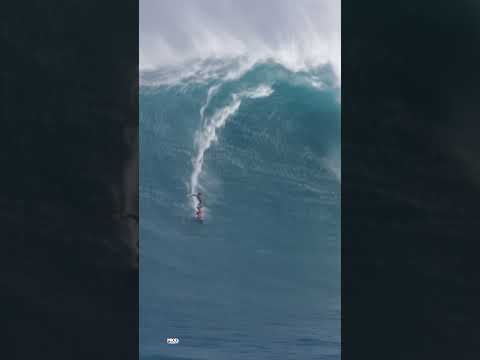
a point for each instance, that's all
(198, 217)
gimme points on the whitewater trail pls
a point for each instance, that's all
(211, 92)
(207, 135)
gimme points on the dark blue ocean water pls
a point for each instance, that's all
(260, 278)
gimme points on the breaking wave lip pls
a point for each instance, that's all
(198, 71)
(207, 135)
(203, 71)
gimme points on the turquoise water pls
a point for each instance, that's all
(260, 278)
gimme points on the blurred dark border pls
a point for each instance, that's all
(69, 181)
(410, 179)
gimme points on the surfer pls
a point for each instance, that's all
(199, 211)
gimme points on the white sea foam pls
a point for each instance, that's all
(197, 71)
(211, 92)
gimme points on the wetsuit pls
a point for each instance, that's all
(198, 213)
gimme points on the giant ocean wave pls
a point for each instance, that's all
(261, 276)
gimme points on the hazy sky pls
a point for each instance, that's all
(295, 31)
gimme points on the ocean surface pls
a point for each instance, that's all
(260, 277)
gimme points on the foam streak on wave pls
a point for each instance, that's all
(211, 92)
(205, 137)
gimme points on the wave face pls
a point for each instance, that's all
(260, 278)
